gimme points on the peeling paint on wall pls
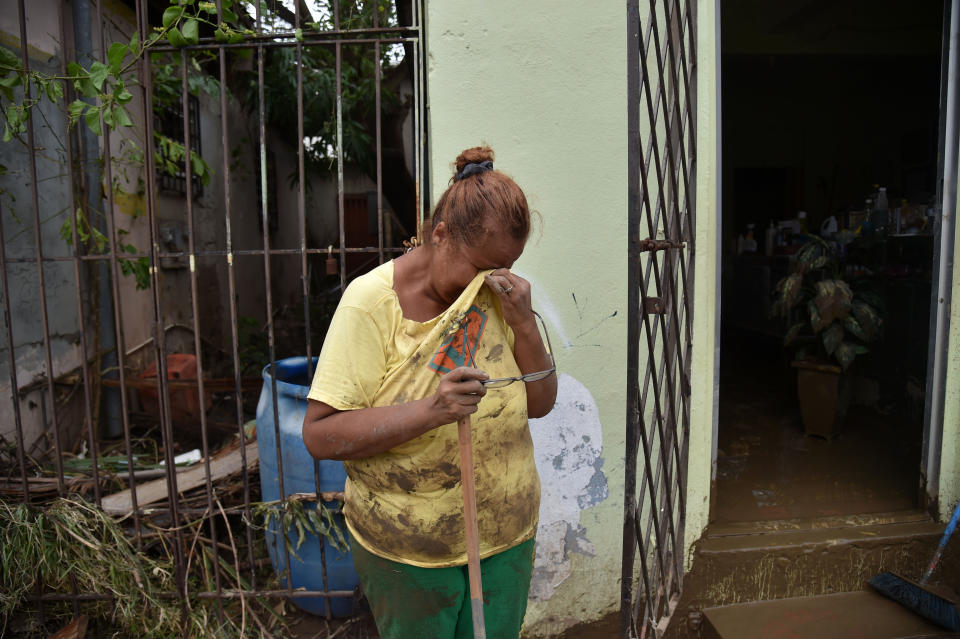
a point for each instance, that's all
(568, 444)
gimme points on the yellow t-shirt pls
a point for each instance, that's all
(406, 504)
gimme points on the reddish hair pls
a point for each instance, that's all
(473, 202)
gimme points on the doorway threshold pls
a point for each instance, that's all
(772, 535)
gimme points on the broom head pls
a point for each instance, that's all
(939, 609)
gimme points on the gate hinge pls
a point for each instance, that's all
(651, 245)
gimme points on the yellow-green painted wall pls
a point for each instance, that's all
(949, 492)
(545, 86)
(706, 283)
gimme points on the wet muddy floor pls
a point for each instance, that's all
(768, 469)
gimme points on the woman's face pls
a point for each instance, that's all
(456, 264)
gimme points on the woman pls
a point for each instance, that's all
(407, 354)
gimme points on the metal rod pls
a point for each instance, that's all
(194, 308)
(78, 276)
(166, 425)
(268, 279)
(8, 323)
(114, 274)
(38, 248)
(207, 253)
(232, 299)
(633, 341)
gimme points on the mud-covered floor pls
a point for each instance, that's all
(768, 469)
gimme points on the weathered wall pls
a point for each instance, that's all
(547, 90)
(949, 492)
(17, 217)
(706, 298)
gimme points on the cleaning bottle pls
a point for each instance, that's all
(770, 239)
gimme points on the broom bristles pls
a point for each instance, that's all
(918, 599)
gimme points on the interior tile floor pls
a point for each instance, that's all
(768, 469)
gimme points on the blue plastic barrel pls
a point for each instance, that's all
(293, 384)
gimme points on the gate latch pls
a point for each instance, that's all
(653, 306)
(651, 245)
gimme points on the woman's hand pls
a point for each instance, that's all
(514, 294)
(528, 349)
(356, 434)
(458, 394)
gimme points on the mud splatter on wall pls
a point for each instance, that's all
(568, 448)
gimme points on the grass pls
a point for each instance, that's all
(71, 546)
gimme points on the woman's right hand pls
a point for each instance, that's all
(458, 394)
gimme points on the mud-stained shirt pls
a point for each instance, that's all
(406, 504)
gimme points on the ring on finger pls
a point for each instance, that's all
(507, 290)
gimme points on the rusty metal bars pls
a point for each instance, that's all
(261, 42)
(660, 206)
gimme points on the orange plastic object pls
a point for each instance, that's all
(184, 402)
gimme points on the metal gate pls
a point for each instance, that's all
(662, 171)
(190, 291)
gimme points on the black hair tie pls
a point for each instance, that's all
(473, 169)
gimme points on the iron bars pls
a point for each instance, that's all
(662, 169)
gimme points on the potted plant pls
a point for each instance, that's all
(833, 318)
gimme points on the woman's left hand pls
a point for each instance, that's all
(514, 294)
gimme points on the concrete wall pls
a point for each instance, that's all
(949, 493)
(546, 88)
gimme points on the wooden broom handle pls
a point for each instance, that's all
(470, 521)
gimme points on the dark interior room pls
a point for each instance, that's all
(830, 128)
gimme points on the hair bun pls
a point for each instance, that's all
(475, 155)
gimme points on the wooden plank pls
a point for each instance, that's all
(221, 466)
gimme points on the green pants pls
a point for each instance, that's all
(434, 603)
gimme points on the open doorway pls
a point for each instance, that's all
(830, 108)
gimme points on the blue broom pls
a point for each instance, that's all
(916, 596)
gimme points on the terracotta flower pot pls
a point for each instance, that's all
(824, 394)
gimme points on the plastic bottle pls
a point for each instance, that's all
(770, 239)
(750, 243)
(881, 210)
(801, 223)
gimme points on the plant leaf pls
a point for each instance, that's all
(54, 91)
(191, 31)
(85, 87)
(115, 56)
(816, 322)
(176, 38)
(9, 59)
(120, 116)
(819, 263)
(868, 319)
(76, 110)
(832, 337)
(790, 292)
(98, 74)
(92, 118)
(793, 332)
(171, 15)
(845, 355)
(853, 327)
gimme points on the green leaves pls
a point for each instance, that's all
(832, 337)
(833, 299)
(10, 60)
(191, 31)
(115, 55)
(171, 15)
(98, 75)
